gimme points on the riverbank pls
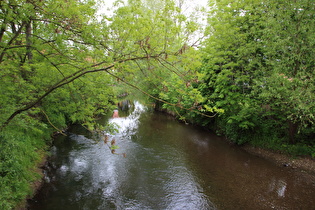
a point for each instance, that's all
(303, 165)
(35, 184)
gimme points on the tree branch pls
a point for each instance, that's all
(60, 131)
(11, 40)
(158, 99)
(67, 80)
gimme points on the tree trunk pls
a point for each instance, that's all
(28, 33)
(293, 128)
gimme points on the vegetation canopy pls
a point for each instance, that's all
(247, 73)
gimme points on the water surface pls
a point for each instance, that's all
(168, 165)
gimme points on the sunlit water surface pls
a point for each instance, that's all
(168, 165)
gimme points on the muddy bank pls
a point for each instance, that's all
(305, 166)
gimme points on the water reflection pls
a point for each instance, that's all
(168, 166)
(278, 186)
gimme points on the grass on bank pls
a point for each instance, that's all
(22, 149)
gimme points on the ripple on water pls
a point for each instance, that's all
(168, 166)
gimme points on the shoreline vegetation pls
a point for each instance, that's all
(243, 68)
(35, 185)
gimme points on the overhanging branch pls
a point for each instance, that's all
(158, 99)
(67, 80)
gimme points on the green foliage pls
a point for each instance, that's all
(48, 52)
(22, 148)
(258, 69)
(114, 147)
(44, 46)
(300, 149)
(161, 28)
(59, 65)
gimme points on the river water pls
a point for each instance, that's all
(168, 165)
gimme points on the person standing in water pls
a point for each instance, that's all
(115, 114)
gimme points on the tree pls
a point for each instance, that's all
(289, 41)
(257, 64)
(233, 57)
(59, 65)
(158, 28)
(44, 47)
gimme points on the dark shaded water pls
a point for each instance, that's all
(168, 165)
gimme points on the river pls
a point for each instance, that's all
(167, 165)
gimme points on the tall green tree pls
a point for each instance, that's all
(233, 57)
(289, 42)
(159, 28)
(256, 65)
